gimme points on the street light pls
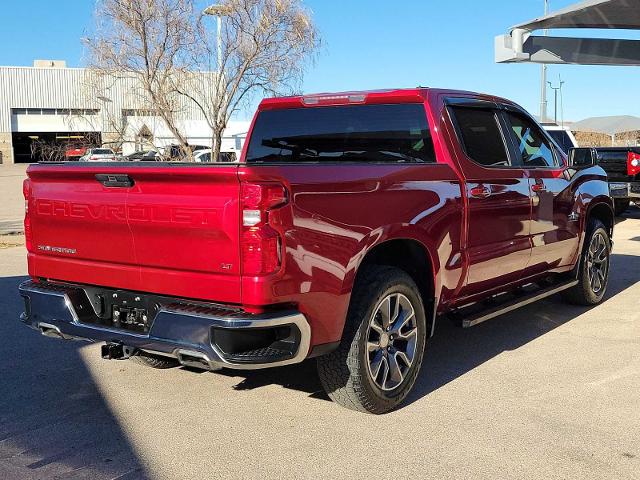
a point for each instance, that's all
(217, 11)
(555, 98)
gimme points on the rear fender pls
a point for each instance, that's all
(389, 233)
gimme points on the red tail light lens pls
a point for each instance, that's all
(260, 242)
(26, 191)
(260, 250)
(633, 163)
(263, 196)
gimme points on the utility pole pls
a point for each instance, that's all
(543, 75)
(555, 97)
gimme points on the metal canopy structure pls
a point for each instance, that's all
(519, 45)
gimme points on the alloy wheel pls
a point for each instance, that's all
(391, 341)
(598, 262)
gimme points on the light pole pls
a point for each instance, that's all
(217, 11)
(555, 98)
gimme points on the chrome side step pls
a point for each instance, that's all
(515, 304)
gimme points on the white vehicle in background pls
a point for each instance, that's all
(204, 156)
(562, 136)
(98, 155)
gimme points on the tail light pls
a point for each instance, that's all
(261, 244)
(26, 191)
(633, 163)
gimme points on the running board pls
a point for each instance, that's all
(517, 303)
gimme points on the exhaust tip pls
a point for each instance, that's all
(50, 331)
(193, 359)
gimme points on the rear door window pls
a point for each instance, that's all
(481, 136)
(351, 133)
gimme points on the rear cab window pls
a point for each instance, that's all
(395, 133)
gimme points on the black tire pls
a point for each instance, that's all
(621, 205)
(155, 361)
(345, 373)
(584, 293)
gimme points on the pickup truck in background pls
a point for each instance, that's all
(562, 135)
(352, 224)
(622, 165)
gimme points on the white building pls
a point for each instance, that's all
(51, 103)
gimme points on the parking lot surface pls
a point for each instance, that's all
(549, 391)
(11, 199)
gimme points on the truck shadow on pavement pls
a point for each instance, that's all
(454, 351)
(54, 422)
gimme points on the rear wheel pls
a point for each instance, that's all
(621, 205)
(593, 275)
(155, 361)
(381, 351)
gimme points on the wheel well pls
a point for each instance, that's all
(412, 257)
(603, 212)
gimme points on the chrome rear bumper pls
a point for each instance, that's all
(183, 330)
(624, 189)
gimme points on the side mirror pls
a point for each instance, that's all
(582, 157)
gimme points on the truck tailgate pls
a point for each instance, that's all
(174, 231)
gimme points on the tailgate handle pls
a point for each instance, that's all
(115, 180)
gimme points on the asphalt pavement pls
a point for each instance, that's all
(11, 199)
(551, 391)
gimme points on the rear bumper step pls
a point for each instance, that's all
(197, 334)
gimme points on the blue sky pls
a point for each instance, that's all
(378, 44)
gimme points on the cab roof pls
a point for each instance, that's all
(363, 97)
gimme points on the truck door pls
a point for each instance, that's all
(499, 201)
(554, 224)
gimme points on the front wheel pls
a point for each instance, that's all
(593, 274)
(379, 357)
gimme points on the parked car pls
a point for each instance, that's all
(98, 155)
(351, 226)
(204, 156)
(143, 155)
(74, 152)
(562, 135)
(622, 165)
(175, 152)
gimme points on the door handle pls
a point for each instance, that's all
(480, 192)
(115, 180)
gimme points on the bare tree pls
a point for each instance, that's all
(264, 49)
(149, 41)
(47, 151)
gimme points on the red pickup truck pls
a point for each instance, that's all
(352, 223)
